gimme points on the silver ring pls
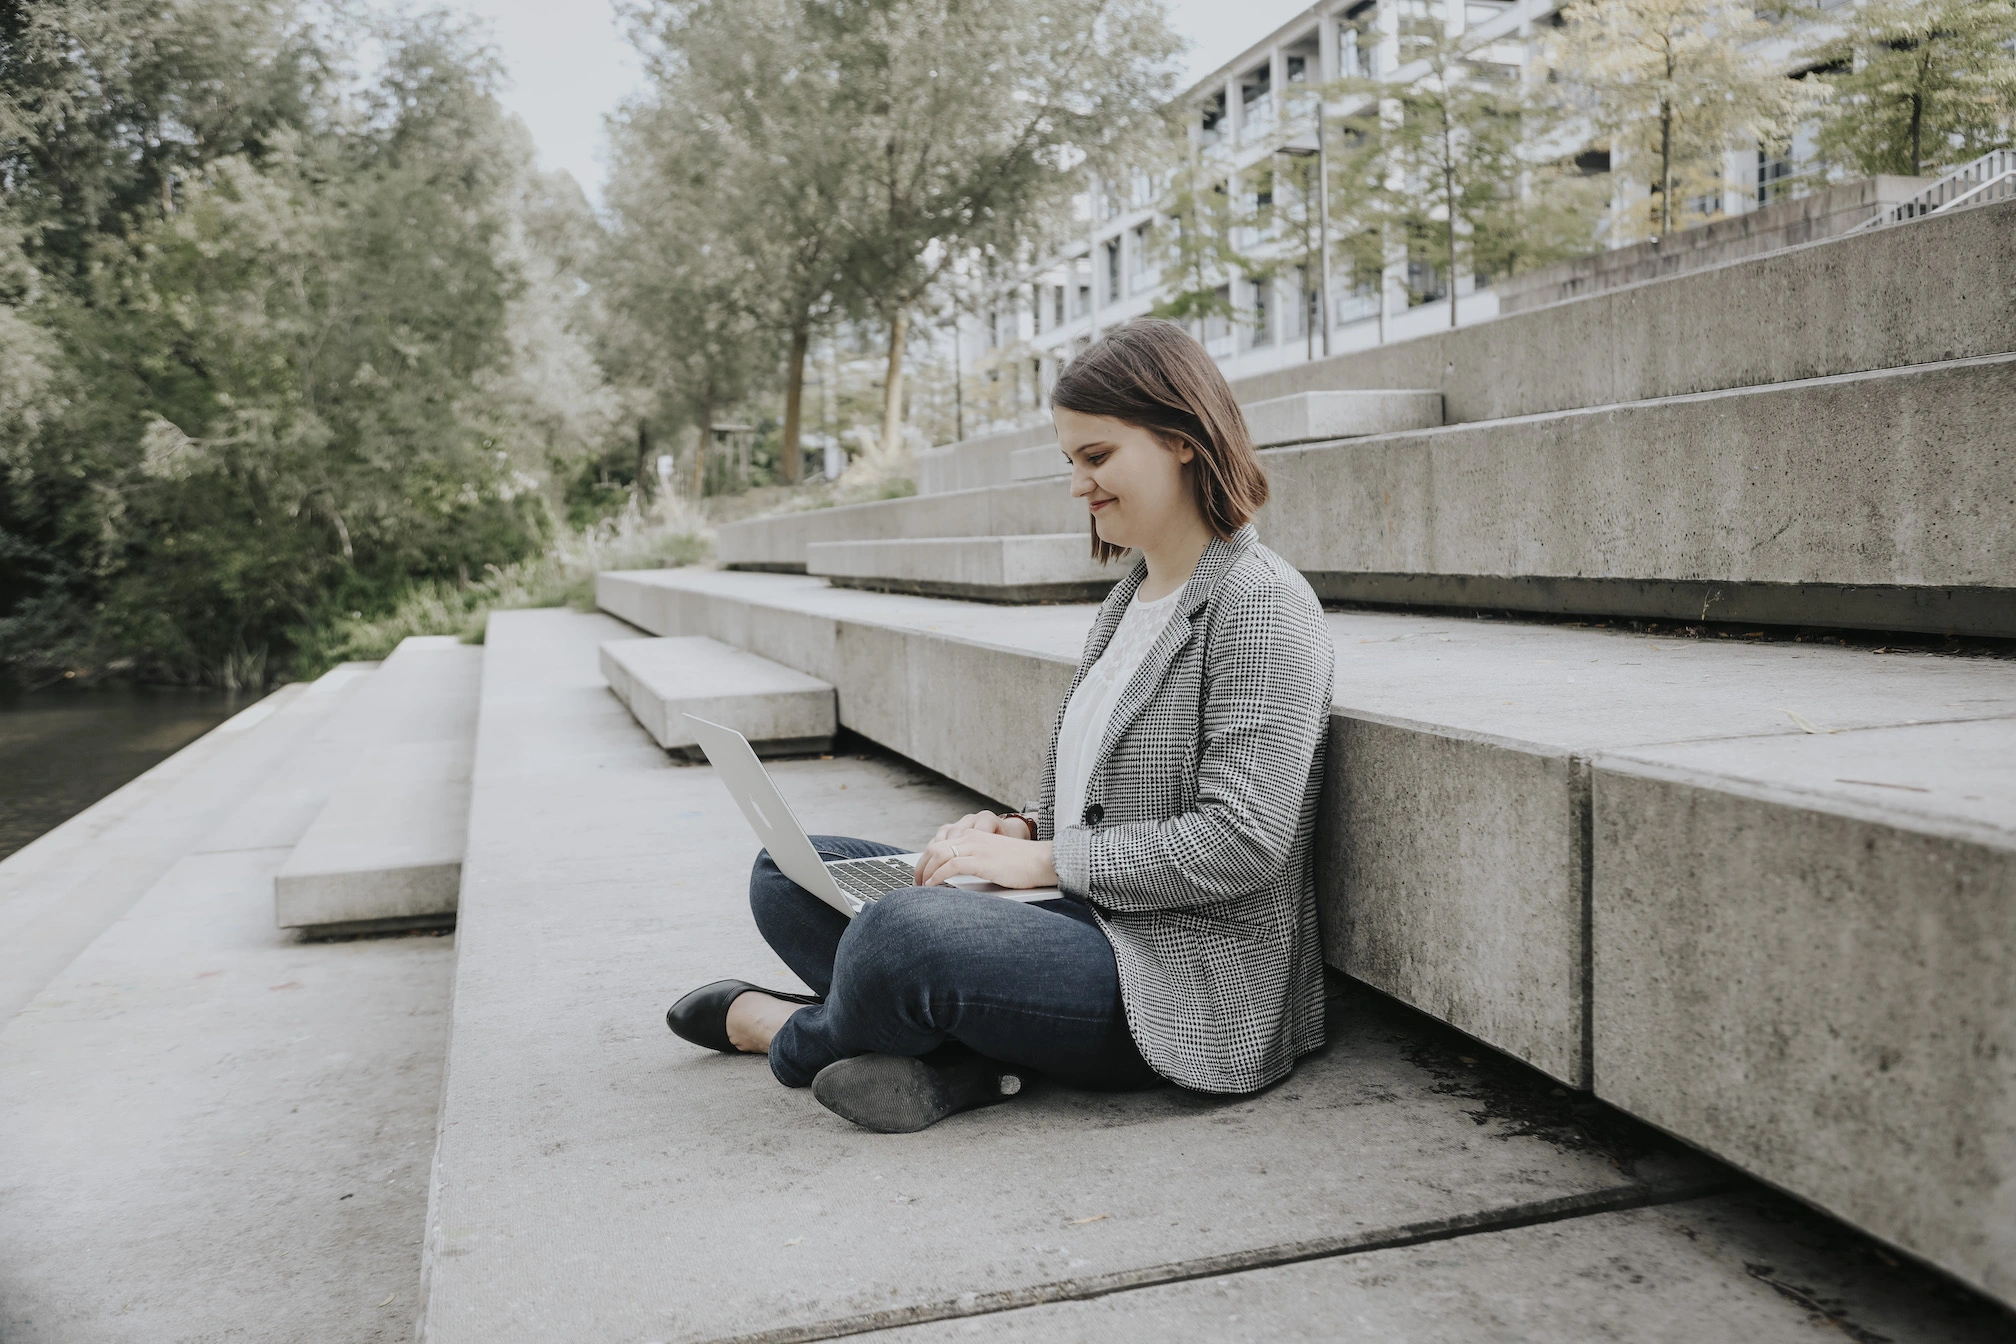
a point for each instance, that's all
(955, 851)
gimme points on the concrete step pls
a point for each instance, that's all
(781, 711)
(63, 889)
(214, 1130)
(1879, 300)
(597, 1178)
(1456, 867)
(1056, 567)
(1279, 421)
(1876, 500)
(1733, 1267)
(1025, 508)
(979, 461)
(384, 852)
(1870, 500)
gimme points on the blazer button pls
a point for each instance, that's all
(1094, 815)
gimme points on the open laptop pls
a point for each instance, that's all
(845, 884)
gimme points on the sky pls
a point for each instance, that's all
(569, 64)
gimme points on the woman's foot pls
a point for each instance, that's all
(733, 1016)
(895, 1094)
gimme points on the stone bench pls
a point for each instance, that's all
(384, 852)
(1457, 872)
(781, 711)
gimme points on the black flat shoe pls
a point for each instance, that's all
(702, 1015)
(895, 1094)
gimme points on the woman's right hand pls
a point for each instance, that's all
(988, 822)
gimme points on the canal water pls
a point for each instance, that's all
(64, 748)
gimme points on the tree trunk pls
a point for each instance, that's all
(892, 385)
(1449, 190)
(643, 458)
(1665, 168)
(700, 449)
(1917, 132)
(794, 398)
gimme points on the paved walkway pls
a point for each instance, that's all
(598, 1179)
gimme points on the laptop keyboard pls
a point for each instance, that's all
(868, 879)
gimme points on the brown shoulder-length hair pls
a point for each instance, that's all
(1152, 373)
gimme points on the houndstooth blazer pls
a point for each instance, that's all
(1197, 855)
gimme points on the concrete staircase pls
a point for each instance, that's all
(1759, 892)
(1815, 437)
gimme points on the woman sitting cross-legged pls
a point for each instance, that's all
(1177, 816)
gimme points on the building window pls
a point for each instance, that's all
(1113, 291)
(1057, 308)
(1263, 324)
(1138, 275)
(1774, 177)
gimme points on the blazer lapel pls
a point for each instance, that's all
(1147, 678)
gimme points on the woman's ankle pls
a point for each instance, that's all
(755, 1018)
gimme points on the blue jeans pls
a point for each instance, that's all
(1032, 984)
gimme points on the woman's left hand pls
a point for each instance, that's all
(1020, 864)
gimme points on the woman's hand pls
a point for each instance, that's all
(987, 823)
(1000, 859)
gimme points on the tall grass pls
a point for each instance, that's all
(668, 533)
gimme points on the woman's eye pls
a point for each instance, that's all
(1095, 459)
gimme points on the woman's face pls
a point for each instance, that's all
(1135, 485)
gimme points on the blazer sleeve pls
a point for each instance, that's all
(1267, 706)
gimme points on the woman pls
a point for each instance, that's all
(1177, 816)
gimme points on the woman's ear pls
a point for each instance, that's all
(1180, 448)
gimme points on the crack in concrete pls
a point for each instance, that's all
(1616, 1199)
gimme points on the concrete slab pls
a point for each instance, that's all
(1303, 416)
(1454, 851)
(215, 1131)
(1746, 1267)
(778, 708)
(1805, 960)
(1874, 500)
(1055, 567)
(67, 886)
(384, 851)
(596, 1178)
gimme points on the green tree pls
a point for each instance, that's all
(314, 372)
(1918, 83)
(782, 195)
(1678, 83)
(1446, 143)
(676, 284)
(972, 120)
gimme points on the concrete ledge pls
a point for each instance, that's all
(1056, 567)
(1878, 500)
(385, 850)
(1880, 300)
(778, 709)
(1805, 962)
(778, 542)
(1299, 418)
(978, 461)
(1339, 415)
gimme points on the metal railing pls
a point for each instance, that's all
(1992, 177)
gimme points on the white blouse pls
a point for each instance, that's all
(1091, 706)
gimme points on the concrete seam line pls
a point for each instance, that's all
(1617, 1199)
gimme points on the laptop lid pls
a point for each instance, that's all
(753, 791)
